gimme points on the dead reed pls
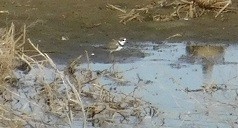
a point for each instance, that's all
(181, 9)
(35, 98)
(7, 52)
(105, 107)
(35, 93)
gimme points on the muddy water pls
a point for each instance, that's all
(192, 84)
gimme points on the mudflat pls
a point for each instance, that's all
(83, 23)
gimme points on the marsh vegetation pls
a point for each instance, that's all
(168, 84)
(35, 93)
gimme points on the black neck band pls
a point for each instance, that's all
(120, 44)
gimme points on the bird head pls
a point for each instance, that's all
(122, 41)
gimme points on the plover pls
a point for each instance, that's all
(116, 45)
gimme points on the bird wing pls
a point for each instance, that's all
(112, 45)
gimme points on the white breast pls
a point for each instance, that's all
(118, 49)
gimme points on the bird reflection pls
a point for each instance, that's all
(207, 56)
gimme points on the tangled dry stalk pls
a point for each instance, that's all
(7, 51)
(183, 9)
(35, 93)
(196, 8)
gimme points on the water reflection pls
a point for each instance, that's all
(207, 55)
(170, 68)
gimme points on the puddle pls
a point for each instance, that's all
(193, 84)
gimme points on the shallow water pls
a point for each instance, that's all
(193, 84)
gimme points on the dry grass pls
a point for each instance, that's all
(7, 52)
(19, 106)
(106, 107)
(196, 8)
(35, 93)
(183, 9)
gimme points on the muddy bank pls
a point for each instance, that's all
(35, 93)
(91, 22)
(162, 76)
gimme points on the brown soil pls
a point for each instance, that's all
(88, 21)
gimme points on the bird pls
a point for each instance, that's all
(115, 45)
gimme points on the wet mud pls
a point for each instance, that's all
(186, 68)
(66, 29)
